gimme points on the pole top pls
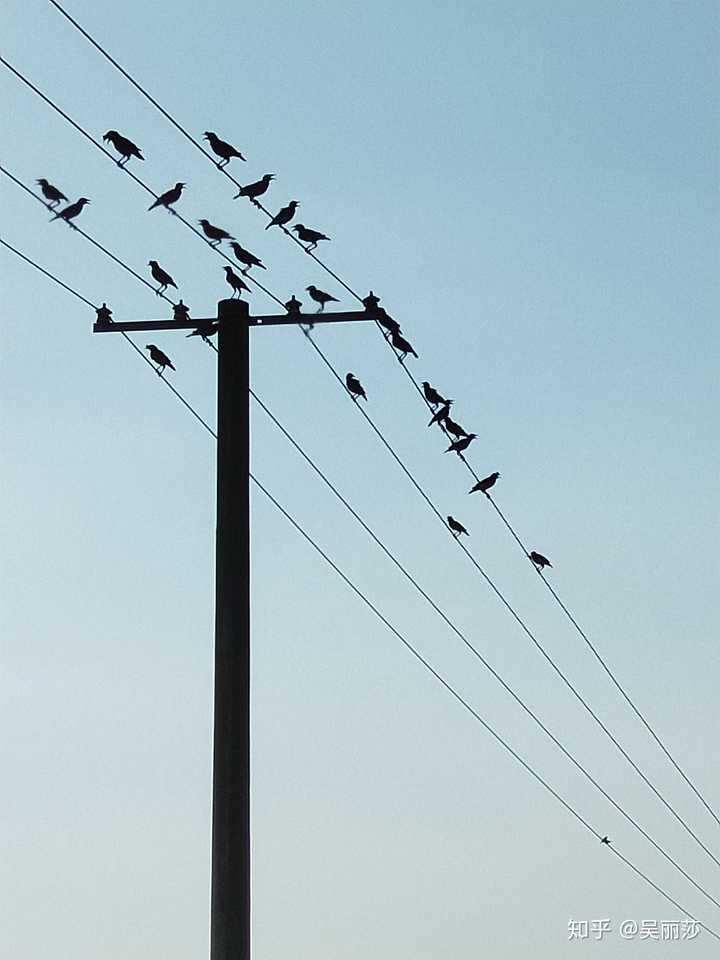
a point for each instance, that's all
(229, 309)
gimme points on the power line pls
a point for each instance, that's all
(405, 642)
(636, 710)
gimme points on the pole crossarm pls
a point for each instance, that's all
(273, 320)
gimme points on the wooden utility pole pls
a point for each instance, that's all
(231, 837)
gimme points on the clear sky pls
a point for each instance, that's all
(532, 189)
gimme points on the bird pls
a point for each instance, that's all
(401, 344)
(484, 485)
(159, 275)
(235, 282)
(285, 215)
(454, 428)
(432, 396)
(214, 234)
(442, 414)
(244, 256)
(306, 235)
(459, 445)
(387, 322)
(354, 386)
(319, 296)
(206, 330)
(50, 193)
(157, 356)
(539, 560)
(224, 150)
(606, 840)
(126, 148)
(254, 190)
(456, 527)
(169, 197)
(181, 311)
(71, 211)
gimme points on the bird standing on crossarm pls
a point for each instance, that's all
(459, 445)
(50, 193)
(354, 386)
(484, 485)
(246, 258)
(319, 296)
(226, 151)
(214, 234)
(161, 277)
(254, 190)
(168, 198)
(161, 359)
(456, 527)
(285, 215)
(126, 148)
(306, 235)
(539, 560)
(235, 282)
(70, 212)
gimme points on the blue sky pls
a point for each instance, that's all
(532, 189)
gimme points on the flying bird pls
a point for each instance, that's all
(161, 277)
(71, 211)
(456, 527)
(285, 215)
(214, 234)
(306, 235)
(354, 386)
(126, 148)
(442, 414)
(235, 282)
(169, 197)
(606, 840)
(244, 256)
(254, 190)
(432, 396)
(401, 344)
(459, 445)
(157, 356)
(224, 150)
(50, 193)
(319, 296)
(206, 330)
(454, 428)
(484, 485)
(539, 560)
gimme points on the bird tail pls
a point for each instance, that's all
(268, 226)
(171, 367)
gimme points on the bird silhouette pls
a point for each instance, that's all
(401, 344)
(456, 527)
(235, 282)
(606, 840)
(254, 190)
(214, 234)
(244, 256)
(181, 311)
(432, 396)
(157, 356)
(539, 560)
(161, 277)
(285, 215)
(224, 150)
(306, 235)
(454, 428)
(387, 322)
(70, 212)
(50, 193)
(126, 148)
(319, 296)
(459, 445)
(354, 386)
(484, 485)
(205, 330)
(442, 414)
(169, 197)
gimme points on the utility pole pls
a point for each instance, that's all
(231, 837)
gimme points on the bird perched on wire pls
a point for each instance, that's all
(126, 148)
(226, 151)
(214, 234)
(50, 193)
(484, 485)
(235, 281)
(157, 356)
(161, 277)
(387, 323)
(432, 396)
(244, 256)
(539, 560)
(606, 840)
(205, 331)
(401, 344)
(168, 198)
(285, 215)
(70, 212)
(456, 527)
(354, 386)
(306, 235)
(319, 296)
(462, 444)
(442, 414)
(254, 190)
(454, 428)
